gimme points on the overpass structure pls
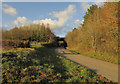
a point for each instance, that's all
(61, 42)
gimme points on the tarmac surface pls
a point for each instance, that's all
(106, 69)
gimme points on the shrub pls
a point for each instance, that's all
(15, 44)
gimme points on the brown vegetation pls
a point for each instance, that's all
(99, 32)
(7, 44)
(22, 36)
(33, 32)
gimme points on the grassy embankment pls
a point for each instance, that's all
(43, 65)
(111, 59)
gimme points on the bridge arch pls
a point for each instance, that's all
(61, 42)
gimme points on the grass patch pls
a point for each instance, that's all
(112, 59)
(43, 65)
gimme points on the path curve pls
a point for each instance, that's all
(103, 68)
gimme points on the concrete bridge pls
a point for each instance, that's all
(61, 42)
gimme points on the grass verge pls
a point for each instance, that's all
(43, 65)
(111, 59)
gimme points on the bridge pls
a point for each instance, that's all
(61, 42)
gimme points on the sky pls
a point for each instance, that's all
(62, 17)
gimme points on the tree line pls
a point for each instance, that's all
(99, 31)
(32, 32)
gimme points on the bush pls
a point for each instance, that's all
(15, 44)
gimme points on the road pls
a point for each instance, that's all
(106, 69)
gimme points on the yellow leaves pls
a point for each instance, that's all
(16, 72)
(25, 69)
(102, 39)
(112, 21)
(81, 70)
(43, 75)
(18, 56)
(6, 73)
(33, 76)
(112, 57)
(116, 49)
(81, 76)
(24, 58)
(53, 76)
(116, 11)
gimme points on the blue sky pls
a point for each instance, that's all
(62, 16)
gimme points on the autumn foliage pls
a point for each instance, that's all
(98, 35)
(33, 32)
(7, 44)
(22, 36)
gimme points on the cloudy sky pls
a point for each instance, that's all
(61, 16)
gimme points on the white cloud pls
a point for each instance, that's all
(85, 5)
(63, 17)
(78, 23)
(5, 26)
(15, 22)
(52, 23)
(63, 31)
(98, 3)
(9, 10)
(21, 21)
(36, 22)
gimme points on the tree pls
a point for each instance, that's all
(99, 32)
(32, 32)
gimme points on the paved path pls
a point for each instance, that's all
(103, 68)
